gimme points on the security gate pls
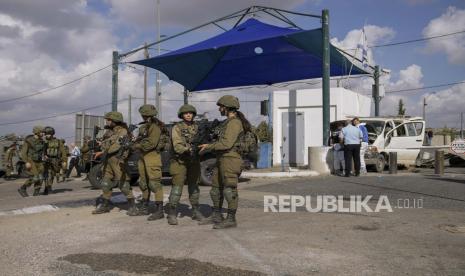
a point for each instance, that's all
(293, 143)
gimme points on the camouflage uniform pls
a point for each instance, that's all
(149, 165)
(54, 156)
(32, 153)
(64, 161)
(228, 167)
(10, 153)
(113, 174)
(184, 167)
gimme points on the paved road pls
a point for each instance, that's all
(415, 241)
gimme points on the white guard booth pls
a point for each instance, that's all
(298, 120)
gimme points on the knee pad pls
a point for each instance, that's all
(175, 194)
(230, 194)
(125, 187)
(154, 186)
(143, 185)
(107, 186)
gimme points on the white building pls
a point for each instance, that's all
(298, 120)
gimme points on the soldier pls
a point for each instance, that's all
(113, 171)
(54, 156)
(64, 161)
(149, 143)
(184, 164)
(85, 153)
(9, 154)
(229, 161)
(32, 153)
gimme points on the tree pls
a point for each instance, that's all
(401, 110)
(262, 132)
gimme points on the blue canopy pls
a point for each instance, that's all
(253, 53)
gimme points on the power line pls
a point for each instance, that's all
(55, 87)
(410, 41)
(425, 87)
(58, 115)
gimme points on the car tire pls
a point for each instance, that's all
(380, 163)
(95, 176)
(206, 171)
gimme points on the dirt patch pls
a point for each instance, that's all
(369, 227)
(157, 265)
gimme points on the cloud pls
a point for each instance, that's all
(184, 13)
(453, 20)
(41, 51)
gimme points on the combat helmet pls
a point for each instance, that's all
(37, 130)
(229, 101)
(115, 116)
(185, 109)
(49, 130)
(148, 110)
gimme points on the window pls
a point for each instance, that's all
(389, 127)
(419, 128)
(411, 129)
(401, 131)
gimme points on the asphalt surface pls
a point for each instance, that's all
(67, 240)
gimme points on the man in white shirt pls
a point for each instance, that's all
(74, 162)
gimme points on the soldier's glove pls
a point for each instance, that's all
(28, 166)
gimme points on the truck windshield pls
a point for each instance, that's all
(375, 127)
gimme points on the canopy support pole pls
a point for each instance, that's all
(326, 75)
(114, 82)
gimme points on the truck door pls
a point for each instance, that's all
(408, 141)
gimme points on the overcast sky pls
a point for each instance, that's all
(46, 43)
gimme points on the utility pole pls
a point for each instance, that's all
(114, 82)
(146, 55)
(461, 125)
(130, 109)
(326, 75)
(424, 108)
(375, 90)
(186, 96)
(157, 73)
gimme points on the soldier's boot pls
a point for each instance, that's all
(45, 191)
(229, 222)
(36, 192)
(196, 214)
(22, 191)
(103, 207)
(48, 190)
(132, 211)
(215, 218)
(158, 213)
(143, 208)
(172, 215)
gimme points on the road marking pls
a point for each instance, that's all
(30, 210)
(247, 254)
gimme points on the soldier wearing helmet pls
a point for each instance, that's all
(113, 172)
(9, 154)
(54, 158)
(229, 161)
(148, 142)
(184, 165)
(32, 152)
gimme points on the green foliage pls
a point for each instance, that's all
(262, 132)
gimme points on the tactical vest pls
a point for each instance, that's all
(220, 131)
(186, 132)
(36, 148)
(164, 143)
(53, 148)
(246, 144)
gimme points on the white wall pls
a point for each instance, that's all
(343, 103)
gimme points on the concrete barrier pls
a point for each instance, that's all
(318, 160)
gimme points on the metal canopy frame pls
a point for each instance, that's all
(279, 14)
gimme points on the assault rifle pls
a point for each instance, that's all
(205, 135)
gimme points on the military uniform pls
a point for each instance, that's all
(54, 156)
(149, 164)
(64, 162)
(85, 155)
(10, 153)
(228, 166)
(113, 173)
(184, 166)
(32, 153)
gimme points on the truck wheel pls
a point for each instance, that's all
(95, 176)
(206, 171)
(380, 163)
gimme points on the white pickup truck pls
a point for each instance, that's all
(404, 135)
